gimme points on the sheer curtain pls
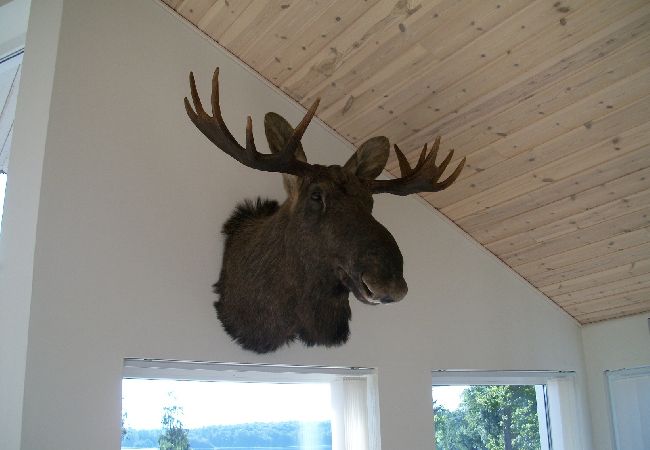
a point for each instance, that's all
(350, 426)
(563, 411)
(629, 395)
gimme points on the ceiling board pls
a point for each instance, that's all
(548, 100)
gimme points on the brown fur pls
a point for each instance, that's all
(281, 276)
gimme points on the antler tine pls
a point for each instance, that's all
(216, 108)
(433, 154)
(443, 165)
(302, 126)
(404, 166)
(451, 178)
(250, 141)
(421, 178)
(215, 129)
(423, 157)
(289, 149)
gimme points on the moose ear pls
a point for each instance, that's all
(370, 158)
(278, 132)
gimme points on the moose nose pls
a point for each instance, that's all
(397, 292)
(386, 291)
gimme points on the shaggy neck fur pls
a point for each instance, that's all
(271, 289)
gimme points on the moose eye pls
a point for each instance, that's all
(316, 200)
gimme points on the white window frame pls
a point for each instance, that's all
(556, 402)
(355, 425)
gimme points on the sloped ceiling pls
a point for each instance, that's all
(548, 100)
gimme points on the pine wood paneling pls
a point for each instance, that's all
(548, 100)
(619, 273)
(590, 258)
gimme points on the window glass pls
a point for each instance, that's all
(178, 405)
(222, 414)
(487, 417)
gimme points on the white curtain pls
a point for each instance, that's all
(350, 404)
(540, 396)
(629, 394)
(562, 406)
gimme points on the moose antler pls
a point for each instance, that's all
(421, 178)
(215, 129)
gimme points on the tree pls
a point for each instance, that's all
(490, 418)
(453, 431)
(505, 417)
(123, 427)
(174, 436)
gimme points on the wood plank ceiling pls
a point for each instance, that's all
(548, 100)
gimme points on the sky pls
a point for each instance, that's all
(448, 396)
(219, 403)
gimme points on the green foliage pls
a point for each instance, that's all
(123, 427)
(453, 432)
(174, 436)
(490, 418)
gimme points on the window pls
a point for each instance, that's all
(10, 66)
(503, 410)
(228, 406)
(489, 416)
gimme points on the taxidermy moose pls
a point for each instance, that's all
(288, 269)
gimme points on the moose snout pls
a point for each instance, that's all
(375, 267)
(385, 291)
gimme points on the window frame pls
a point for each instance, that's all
(346, 433)
(553, 424)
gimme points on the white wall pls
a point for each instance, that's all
(611, 345)
(18, 238)
(127, 244)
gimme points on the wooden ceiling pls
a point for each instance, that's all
(548, 100)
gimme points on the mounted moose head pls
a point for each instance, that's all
(288, 269)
